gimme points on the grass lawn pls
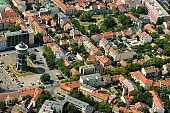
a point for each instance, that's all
(98, 17)
(30, 70)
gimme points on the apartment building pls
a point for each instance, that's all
(155, 10)
(166, 67)
(14, 38)
(94, 80)
(120, 55)
(151, 71)
(87, 69)
(57, 107)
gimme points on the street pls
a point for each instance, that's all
(9, 57)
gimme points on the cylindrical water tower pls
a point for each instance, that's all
(21, 51)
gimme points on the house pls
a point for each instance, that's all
(130, 15)
(103, 42)
(99, 68)
(94, 80)
(24, 106)
(167, 67)
(9, 96)
(62, 19)
(94, 7)
(33, 92)
(123, 63)
(87, 45)
(20, 4)
(104, 61)
(145, 38)
(151, 71)
(74, 71)
(44, 2)
(67, 64)
(139, 106)
(129, 88)
(112, 5)
(167, 25)
(66, 8)
(64, 42)
(120, 55)
(68, 26)
(109, 35)
(86, 89)
(46, 38)
(127, 32)
(87, 69)
(98, 96)
(93, 50)
(3, 43)
(101, 6)
(97, 37)
(157, 105)
(140, 77)
(67, 87)
(150, 28)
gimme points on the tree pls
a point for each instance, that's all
(160, 30)
(86, 17)
(77, 64)
(103, 107)
(78, 13)
(32, 56)
(15, 100)
(14, 28)
(160, 20)
(109, 22)
(2, 106)
(44, 96)
(125, 21)
(28, 97)
(142, 10)
(94, 29)
(45, 77)
(70, 108)
(38, 38)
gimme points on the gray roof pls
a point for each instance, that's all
(75, 102)
(88, 86)
(130, 85)
(91, 76)
(50, 106)
(151, 69)
(2, 8)
(90, 109)
(20, 32)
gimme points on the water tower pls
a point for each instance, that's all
(21, 51)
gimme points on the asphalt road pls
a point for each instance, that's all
(41, 67)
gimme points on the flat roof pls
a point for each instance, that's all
(4, 2)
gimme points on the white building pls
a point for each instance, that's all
(94, 80)
(87, 69)
(150, 71)
(145, 38)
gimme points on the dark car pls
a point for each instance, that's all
(36, 50)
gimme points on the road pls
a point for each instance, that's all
(41, 62)
(5, 78)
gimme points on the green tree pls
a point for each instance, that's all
(160, 20)
(78, 13)
(15, 100)
(14, 28)
(45, 77)
(32, 56)
(103, 107)
(2, 106)
(77, 64)
(38, 38)
(160, 30)
(109, 22)
(142, 10)
(94, 29)
(121, 104)
(86, 17)
(44, 96)
(125, 21)
(70, 108)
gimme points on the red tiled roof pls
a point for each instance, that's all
(141, 77)
(34, 92)
(68, 86)
(101, 96)
(74, 71)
